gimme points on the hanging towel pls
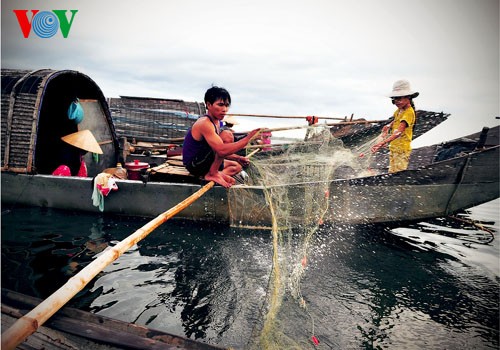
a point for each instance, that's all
(103, 184)
(97, 198)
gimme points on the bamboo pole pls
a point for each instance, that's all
(253, 152)
(351, 122)
(275, 145)
(29, 323)
(319, 125)
(282, 116)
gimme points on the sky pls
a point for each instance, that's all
(328, 58)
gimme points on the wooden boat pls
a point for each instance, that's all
(71, 328)
(156, 120)
(164, 137)
(442, 179)
(359, 133)
(431, 189)
(437, 183)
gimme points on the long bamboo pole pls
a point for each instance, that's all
(271, 145)
(29, 323)
(319, 125)
(181, 139)
(281, 116)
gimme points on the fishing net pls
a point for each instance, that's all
(295, 200)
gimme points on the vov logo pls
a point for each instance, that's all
(45, 24)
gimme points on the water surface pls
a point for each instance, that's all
(431, 285)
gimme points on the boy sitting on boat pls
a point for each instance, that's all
(204, 151)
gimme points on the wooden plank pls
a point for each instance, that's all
(103, 333)
(177, 168)
(99, 328)
(175, 171)
(175, 162)
(45, 338)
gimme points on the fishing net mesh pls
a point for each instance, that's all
(296, 190)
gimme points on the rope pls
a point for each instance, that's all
(477, 225)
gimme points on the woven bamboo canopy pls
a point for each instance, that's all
(35, 116)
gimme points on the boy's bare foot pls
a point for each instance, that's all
(228, 178)
(218, 178)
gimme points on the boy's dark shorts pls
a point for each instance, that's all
(200, 165)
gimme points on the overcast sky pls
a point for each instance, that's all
(310, 57)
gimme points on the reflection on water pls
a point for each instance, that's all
(388, 294)
(432, 284)
(187, 281)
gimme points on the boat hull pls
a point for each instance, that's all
(435, 190)
(133, 198)
(438, 189)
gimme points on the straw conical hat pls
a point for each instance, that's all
(231, 120)
(83, 139)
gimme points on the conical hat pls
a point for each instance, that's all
(83, 139)
(230, 120)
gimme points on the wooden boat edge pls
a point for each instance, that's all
(102, 330)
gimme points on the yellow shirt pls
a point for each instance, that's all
(403, 143)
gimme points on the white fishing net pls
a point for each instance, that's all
(289, 192)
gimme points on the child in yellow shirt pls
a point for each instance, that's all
(399, 139)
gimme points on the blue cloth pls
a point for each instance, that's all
(75, 111)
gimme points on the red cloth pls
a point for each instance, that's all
(62, 170)
(82, 172)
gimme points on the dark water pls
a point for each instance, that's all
(430, 285)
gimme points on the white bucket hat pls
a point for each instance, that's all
(402, 88)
